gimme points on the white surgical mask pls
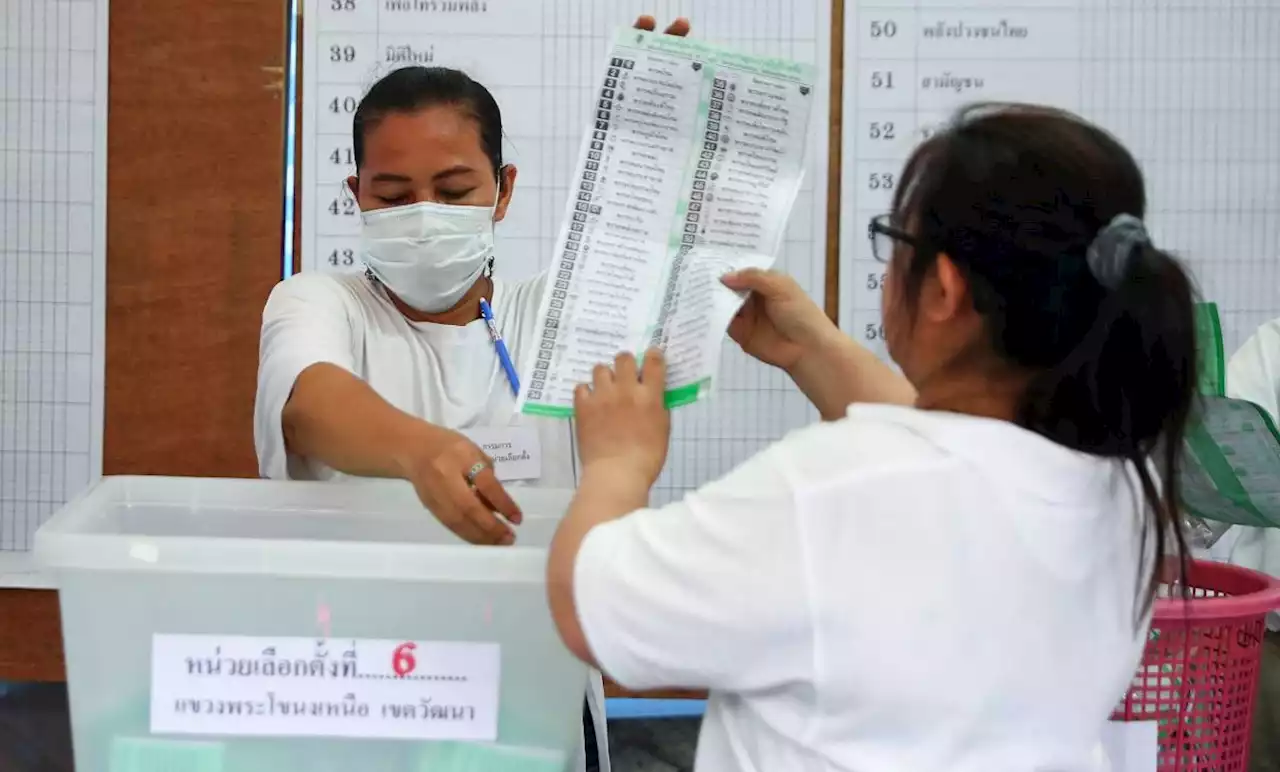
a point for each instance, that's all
(428, 254)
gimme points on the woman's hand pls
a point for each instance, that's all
(779, 322)
(622, 422)
(680, 27)
(456, 481)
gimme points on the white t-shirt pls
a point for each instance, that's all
(898, 590)
(1253, 374)
(447, 375)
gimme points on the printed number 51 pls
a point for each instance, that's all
(402, 660)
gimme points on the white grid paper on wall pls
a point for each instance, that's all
(1190, 87)
(52, 263)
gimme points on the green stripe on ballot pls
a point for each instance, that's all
(1231, 472)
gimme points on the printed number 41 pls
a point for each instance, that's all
(402, 659)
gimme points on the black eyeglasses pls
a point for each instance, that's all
(882, 235)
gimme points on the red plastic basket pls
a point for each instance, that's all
(1199, 675)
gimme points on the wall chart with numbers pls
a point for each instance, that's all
(539, 58)
(1190, 86)
(53, 199)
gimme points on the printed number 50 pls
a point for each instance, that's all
(402, 661)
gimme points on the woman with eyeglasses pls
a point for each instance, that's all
(955, 571)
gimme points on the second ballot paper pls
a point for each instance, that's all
(688, 171)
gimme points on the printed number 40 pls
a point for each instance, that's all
(402, 660)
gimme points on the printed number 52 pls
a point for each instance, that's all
(402, 661)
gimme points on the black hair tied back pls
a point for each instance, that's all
(416, 88)
(1042, 213)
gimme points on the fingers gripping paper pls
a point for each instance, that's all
(688, 171)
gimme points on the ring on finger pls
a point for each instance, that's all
(475, 471)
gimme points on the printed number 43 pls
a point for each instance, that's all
(402, 659)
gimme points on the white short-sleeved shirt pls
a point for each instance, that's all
(450, 376)
(898, 590)
(1253, 374)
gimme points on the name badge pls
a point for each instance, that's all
(516, 450)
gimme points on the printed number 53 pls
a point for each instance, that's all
(402, 660)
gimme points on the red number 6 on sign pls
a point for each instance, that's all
(402, 661)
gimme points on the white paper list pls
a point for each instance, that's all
(691, 162)
(540, 58)
(53, 92)
(1189, 86)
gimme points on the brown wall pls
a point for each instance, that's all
(195, 187)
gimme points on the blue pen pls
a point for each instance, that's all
(503, 355)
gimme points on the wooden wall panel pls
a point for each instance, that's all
(194, 231)
(835, 147)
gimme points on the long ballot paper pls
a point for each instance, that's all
(688, 171)
(1231, 472)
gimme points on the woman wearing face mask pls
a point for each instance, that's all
(398, 371)
(394, 372)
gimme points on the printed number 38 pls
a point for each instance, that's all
(402, 660)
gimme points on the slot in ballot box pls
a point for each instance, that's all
(251, 626)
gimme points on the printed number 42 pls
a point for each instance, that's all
(402, 659)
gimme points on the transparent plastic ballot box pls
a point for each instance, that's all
(253, 625)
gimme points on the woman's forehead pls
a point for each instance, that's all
(442, 136)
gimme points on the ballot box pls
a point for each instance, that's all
(252, 625)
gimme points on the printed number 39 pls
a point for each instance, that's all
(402, 661)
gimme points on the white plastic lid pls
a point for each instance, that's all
(371, 529)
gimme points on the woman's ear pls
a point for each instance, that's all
(506, 186)
(950, 293)
(353, 185)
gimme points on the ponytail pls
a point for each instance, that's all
(1128, 388)
(1041, 213)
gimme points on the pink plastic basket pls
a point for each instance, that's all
(1199, 675)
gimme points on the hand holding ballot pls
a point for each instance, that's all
(778, 321)
(622, 422)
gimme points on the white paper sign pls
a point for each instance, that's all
(516, 450)
(1131, 746)
(308, 687)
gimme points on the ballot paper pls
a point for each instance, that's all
(1231, 463)
(688, 171)
(1231, 472)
